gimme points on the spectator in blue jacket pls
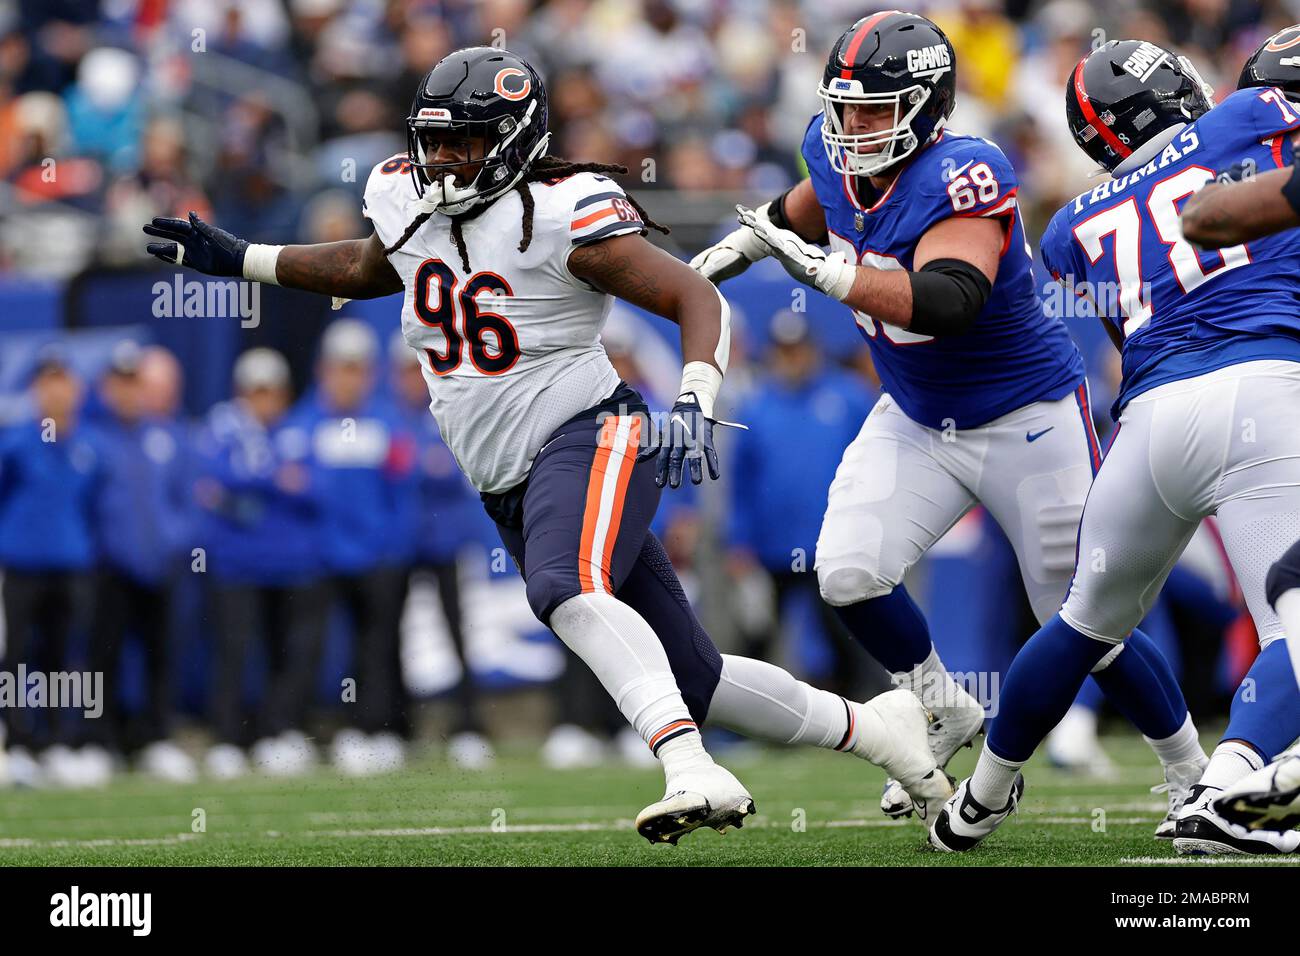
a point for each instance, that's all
(143, 526)
(48, 472)
(801, 416)
(363, 460)
(258, 515)
(444, 514)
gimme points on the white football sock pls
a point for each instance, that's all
(759, 699)
(625, 655)
(993, 779)
(1183, 746)
(1230, 761)
(931, 683)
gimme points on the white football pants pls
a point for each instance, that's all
(900, 486)
(1225, 443)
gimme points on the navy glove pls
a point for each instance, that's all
(203, 247)
(687, 436)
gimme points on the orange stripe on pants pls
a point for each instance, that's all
(607, 457)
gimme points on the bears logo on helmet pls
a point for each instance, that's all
(1276, 63)
(502, 90)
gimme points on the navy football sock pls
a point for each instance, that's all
(1266, 710)
(1141, 685)
(891, 628)
(1040, 686)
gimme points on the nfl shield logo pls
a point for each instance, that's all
(858, 222)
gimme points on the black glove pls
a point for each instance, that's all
(686, 436)
(206, 248)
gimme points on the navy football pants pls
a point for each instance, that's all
(580, 524)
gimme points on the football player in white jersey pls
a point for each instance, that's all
(509, 260)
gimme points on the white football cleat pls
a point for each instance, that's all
(470, 751)
(1202, 830)
(569, 747)
(706, 796)
(1268, 799)
(1179, 780)
(165, 760)
(963, 822)
(225, 762)
(954, 726)
(24, 770)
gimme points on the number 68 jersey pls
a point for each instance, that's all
(1184, 311)
(1014, 354)
(510, 349)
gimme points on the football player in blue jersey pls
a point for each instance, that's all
(985, 398)
(1269, 201)
(1208, 413)
(1225, 213)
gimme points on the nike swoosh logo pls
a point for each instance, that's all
(681, 421)
(1034, 436)
(958, 171)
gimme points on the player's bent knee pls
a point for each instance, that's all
(547, 590)
(842, 585)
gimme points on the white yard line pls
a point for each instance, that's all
(1226, 860)
(102, 842)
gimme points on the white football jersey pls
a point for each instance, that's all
(510, 350)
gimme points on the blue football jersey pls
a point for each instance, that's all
(1015, 354)
(1185, 312)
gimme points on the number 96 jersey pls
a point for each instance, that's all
(510, 349)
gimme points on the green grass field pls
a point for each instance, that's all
(521, 814)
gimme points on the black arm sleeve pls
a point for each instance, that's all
(776, 212)
(947, 296)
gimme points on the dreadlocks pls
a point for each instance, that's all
(546, 170)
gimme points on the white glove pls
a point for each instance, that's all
(831, 274)
(733, 254)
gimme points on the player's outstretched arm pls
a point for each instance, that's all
(1230, 213)
(640, 273)
(953, 270)
(797, 209)
(351, 269)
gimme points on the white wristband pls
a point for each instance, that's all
(704, 381)
(259, 262)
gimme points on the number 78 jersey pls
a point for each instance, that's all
(1183, 311)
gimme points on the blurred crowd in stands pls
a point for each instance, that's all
(266, 115)
(297, 504)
